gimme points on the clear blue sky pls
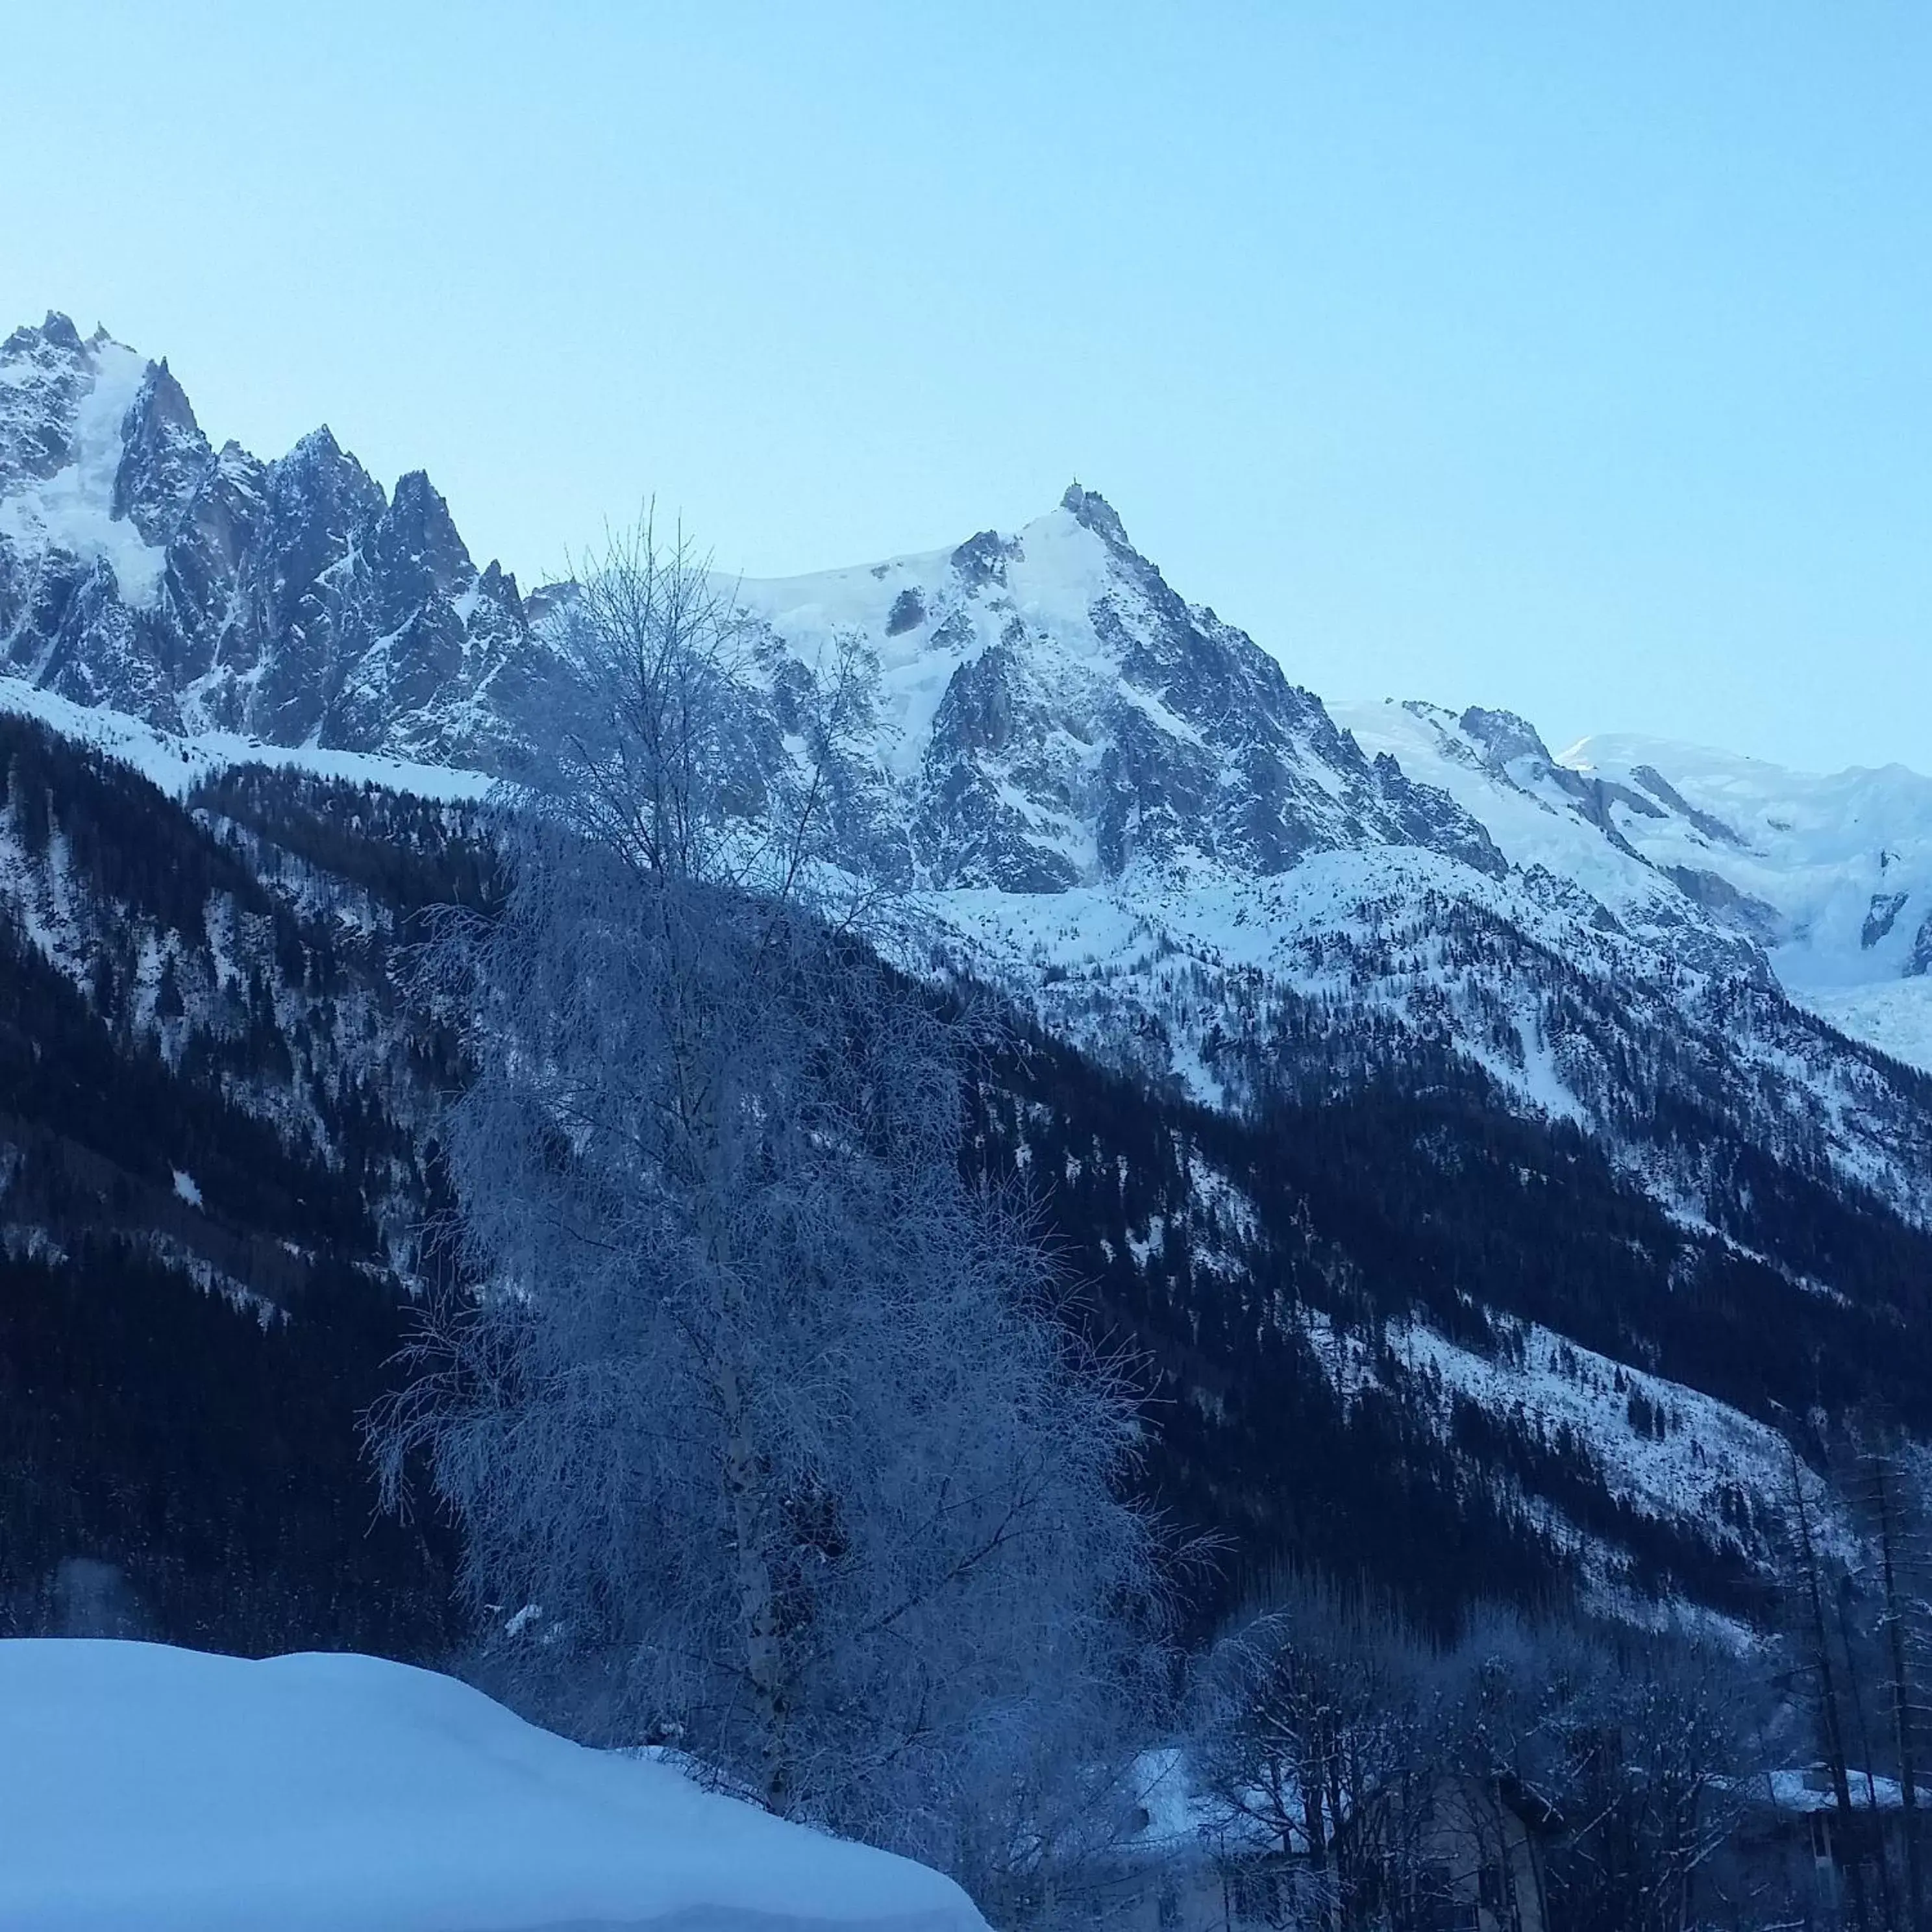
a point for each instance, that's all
(1575, 359)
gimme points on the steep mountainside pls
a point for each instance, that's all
(1464, 1133)
(1049, 714)
(1124, 816)
(294, 600)
(1831, 876)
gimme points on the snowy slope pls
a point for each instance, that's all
(71, 510)
(1668, 1450)
(1830, 876)
(178, 761)
(1844, 859)
(1123, 813)
(179, 1792)
(1048, 713)
(1100, 798)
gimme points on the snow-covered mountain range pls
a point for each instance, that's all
(1106, 801)
(1051, 715)
(1121, 806)
(1830, 876)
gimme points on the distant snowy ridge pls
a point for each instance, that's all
(179, 1792)
(1830, 876)
(1844, 861)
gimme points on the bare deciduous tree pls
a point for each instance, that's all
(764, 1422)
(1307, 1734)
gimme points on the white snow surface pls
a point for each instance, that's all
(1827, 851)
(177, 764)
(178, 1792)
(1057, 570)
(72, 510)
(1825, 859)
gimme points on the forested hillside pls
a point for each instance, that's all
(1367, 1352)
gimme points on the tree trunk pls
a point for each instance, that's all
(757, 1603)
(743, 1477)
(1312, 1803)
(1901, 1691)
(1827, 1702)
(1857, 1696)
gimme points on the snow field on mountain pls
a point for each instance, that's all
(1299, 932)
(1894, 1015)
(1058, 569)
(1532, 829)
(1201, 946)
(1100, 662)
(1691, 1466)
(1705, 1447)
(180, 1792)
(177, 763)
(1838, 866)
(70, 511)
(1845, 858)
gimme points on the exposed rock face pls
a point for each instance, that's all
(199, 589)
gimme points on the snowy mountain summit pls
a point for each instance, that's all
(1050, 714)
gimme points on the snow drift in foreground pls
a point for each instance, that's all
(145, 1786)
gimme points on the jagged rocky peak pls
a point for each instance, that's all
(55, 340)
(1503, 737)
(1092, 511)
(163, 457)
(57, 332)
(418, 534)
(46, 374)
(143, 569)
(983, 559)
(1051, 713)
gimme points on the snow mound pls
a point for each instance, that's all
(145, 1786)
